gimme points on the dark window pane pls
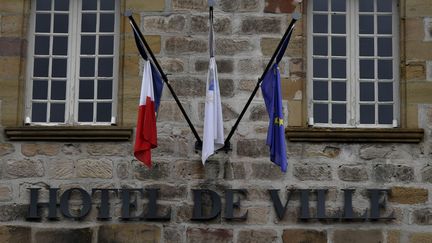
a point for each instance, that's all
(320, 5)
(106, 23)
(367, 47)
(339, 113)
(366, 24)
(88, 44)
(339, 91)
(385, 69)
(87, 67)
(320, 45)
(106, 45)
(61, 23)
(60, 45)
(105, 67)
(385, 47)
(320, 112)
(42, 45)
(385, 91)
(338, 24)
(320, 68)
(39, 112)
(367, 114)
(384, 5)
(367, 69)
(59, 68)
(367, 91)
(85, 112)
(40, 89)
(385, 24)
(88, 23)
(86, 89)
(338, 5)
(40, 67)
(320, 23)
(103, 113)
(57, 113)
(338, 68)
(366, 5)
(338, 46)
(385, 114)
(89, 4)
(320, 90)
(104, 90)
(43, 5)
(58, 90)
(61, 5)
(43, 23)
(107, 5)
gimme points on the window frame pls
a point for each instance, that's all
(353, 68)
(73, 60)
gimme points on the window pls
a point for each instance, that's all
(353, 63)
(73, 60)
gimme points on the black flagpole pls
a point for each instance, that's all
(287, 34)
(164, 77)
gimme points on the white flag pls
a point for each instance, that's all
(213, 121)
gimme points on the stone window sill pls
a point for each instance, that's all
(68, 133)
(354, 135)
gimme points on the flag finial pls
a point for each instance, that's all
(211, 3)
(296, 15)
(128, 13)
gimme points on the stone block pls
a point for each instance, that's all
(408, 195)
(295, 113)
(200, 24)
(11, 6)
(422, 216)
(108, 149)
(249, 6)
(64, 235)
(15, 234)
(173, 234)
(248, 67)
(24, 168)
(10, 46)
(223, 65)
(260, 25)
(185, 45)
(231, 47)
(5, 193)
(239, 6)
(13, 212)
(418, 50)
(226, 87)
(279, 6)
(9, 70)
(155, 43)
(189, 170)
(393, 236)
(257, 236)
(352, 173)
(123, 233)
(257, 215)
(358, 236)
(159, 171)
(391, 172)
(414, 28)
(313, 171)
(188, 86)
(169, 111)
(151, 6)
(420, 237)
(168, 24)
(412, 116)
(61, 169)
(173, 65)
(266, 171)
(94, 168)
(369, 152)
(304, 235)
(71, 149)
(198, 5)
(291, 88)
(415, 71)
(6, 148)
(33, 149)
(123, 171)
(172, 145)
(234, 171)
(11, 24)
(209, 235)
(252, 148)
(426, 174)
(170, 191)
(418, 8)
(258, 113)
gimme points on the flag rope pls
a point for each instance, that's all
(139, 35)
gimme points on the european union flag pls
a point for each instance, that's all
(271, 90)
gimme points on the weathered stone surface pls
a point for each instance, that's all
(352, 173)
(5, 193)
(198, 235)
(415, 71)
(266, 171)
(123, 233)
(172, 23)
(189, 170)
(159, 171)
(200, 24)
(172, 145)
(137, 5)
(234, 171)
(13, 212)
(261, 25)
(123, 171)
(250, 67)
(258, 113)
(426, 174)
(226, 87)
(279, 6)
(185, 45)
(231, 47)
(173, 234)
(313, 171)
(420, 238)
(422, 216)
(304, 235)
(223, 65)
(62, 169)
(94, 168)
(106, 149)
(257, 236)
(33, 149)
(199, 5)
(173, 65)
(64, 235)
(252, 148)
(15, 234)
(24, 168)
(169, 111)
(390, 172)
(358, 236)
(408, 195)
(170, 191)
(369, 152)
(257, 215)
(71, 149)
(10, 46)
(393, 236)
(188, 86)
(239, 5)
(6, 148)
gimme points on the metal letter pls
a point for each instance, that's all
(277, 205)
(153, 207)
(64, 203)
(127, 205)
(376, 205)
(230, 204)
(104, 209)
(198, 213)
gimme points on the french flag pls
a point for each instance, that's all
(146, 133)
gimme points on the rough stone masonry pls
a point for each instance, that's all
(247, 33)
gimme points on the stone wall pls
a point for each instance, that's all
(177, 32)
